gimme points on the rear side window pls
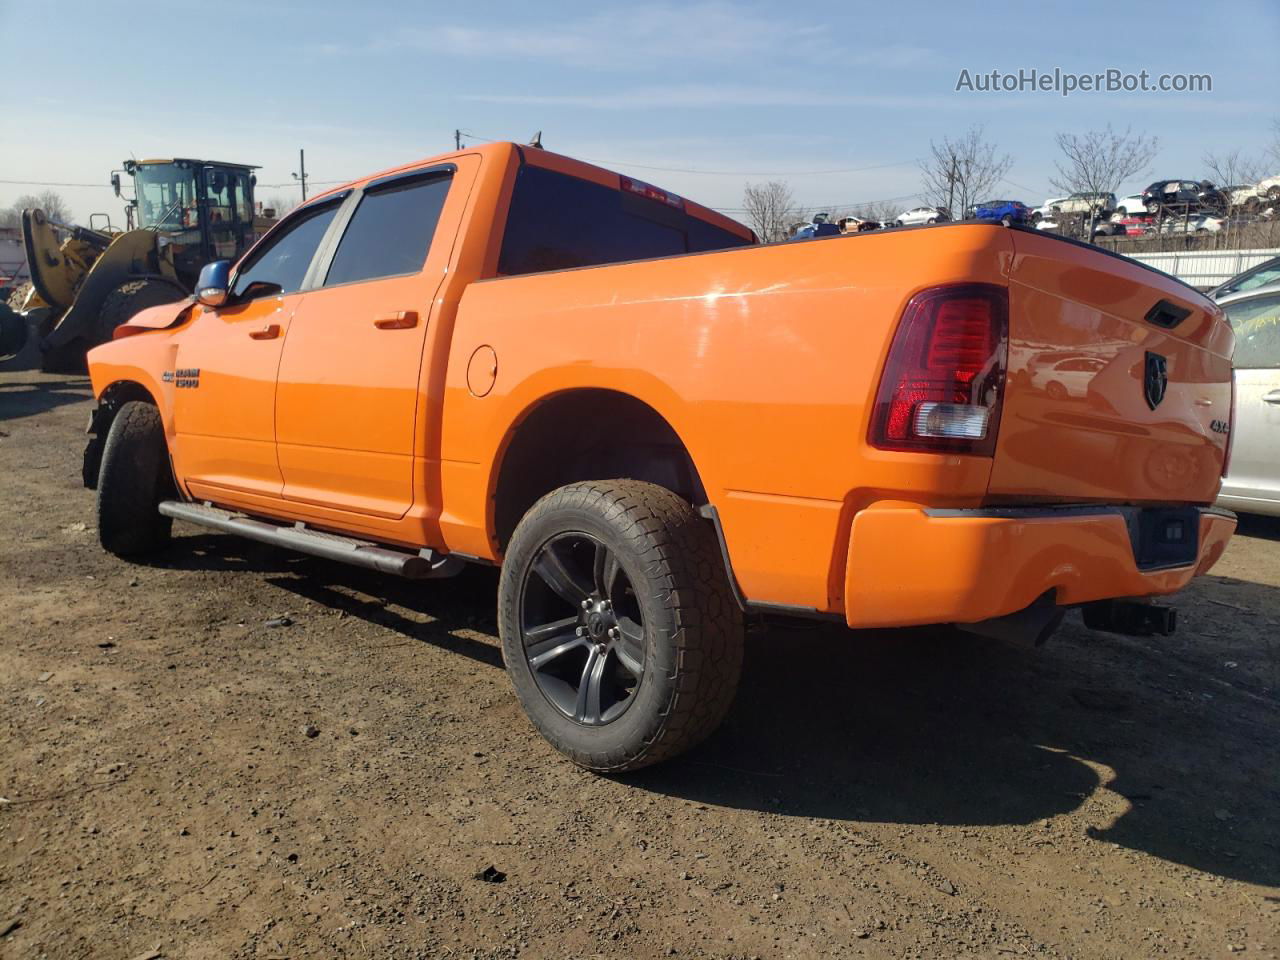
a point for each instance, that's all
(286, 255)
(1257, 327)
(391, 230)
(557, 222)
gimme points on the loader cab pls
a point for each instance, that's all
(202, 210)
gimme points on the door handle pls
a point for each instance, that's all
(269, 332)
(399, 320)
(1272, 397)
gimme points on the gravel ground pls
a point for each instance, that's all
(182, 779)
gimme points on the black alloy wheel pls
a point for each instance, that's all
(582, 629)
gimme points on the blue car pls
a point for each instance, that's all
(1006, 211)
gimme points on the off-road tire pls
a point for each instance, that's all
(13, 331)
(693, 627)
(133, 479)
(131, 298)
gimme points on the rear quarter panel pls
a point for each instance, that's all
(764, 360)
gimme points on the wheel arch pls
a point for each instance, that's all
(110, 400)
(618, 435)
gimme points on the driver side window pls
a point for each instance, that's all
(284, 261)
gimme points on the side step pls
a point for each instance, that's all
(425, 565)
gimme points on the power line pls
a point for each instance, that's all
(51, 183)
(724, 173)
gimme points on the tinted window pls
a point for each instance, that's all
(391, 230)
(287, 255)
(1257, 326)
(558, 221)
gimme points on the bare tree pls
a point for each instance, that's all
(280, 204)
(960, 172)
(1098, 161)
(49, 201)
(771, 209)
(1232, 169)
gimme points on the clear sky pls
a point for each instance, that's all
(734, 91)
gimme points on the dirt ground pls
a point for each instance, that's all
(897, 794)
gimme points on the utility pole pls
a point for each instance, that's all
(302, 177)
(457, 139)
(951, 190)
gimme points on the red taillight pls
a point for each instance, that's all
(942, 382)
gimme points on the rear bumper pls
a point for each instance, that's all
(908, 565)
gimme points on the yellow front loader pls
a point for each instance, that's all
(87, 282)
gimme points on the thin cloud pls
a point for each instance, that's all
(709, 95)
(638, 37)
(695, 96)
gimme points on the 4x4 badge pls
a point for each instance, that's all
(1155, 379)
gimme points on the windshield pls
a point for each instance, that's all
(166, 195)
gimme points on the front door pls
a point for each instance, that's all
(348, 396)
(226, 365)
(1255, 451)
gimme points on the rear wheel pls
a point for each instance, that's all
(131, 298)
(133, 479)
(619, 629)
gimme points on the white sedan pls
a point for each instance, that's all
(1252, 483)
(919, 216)
(1131, 206)
(1047, 209)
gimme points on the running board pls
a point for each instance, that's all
(425, 565)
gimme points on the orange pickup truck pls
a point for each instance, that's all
(657, 426)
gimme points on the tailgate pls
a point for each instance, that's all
(1119, 382)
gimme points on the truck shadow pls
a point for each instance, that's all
(1132, 737)
(932, 727)
(28, 398)
(450, 618)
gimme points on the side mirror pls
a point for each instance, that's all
(213, 286)
(115, 183)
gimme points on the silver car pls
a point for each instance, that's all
(1252, 483)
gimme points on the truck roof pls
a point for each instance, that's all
(543, 158)
(212, 163)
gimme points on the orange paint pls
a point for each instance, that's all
(763, 360)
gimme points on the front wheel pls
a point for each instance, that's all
(619, 628)
(133, 479)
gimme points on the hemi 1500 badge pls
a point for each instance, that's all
(184, 377)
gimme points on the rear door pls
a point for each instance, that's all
(348, 402)
(1254, 474)
(225, 367)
